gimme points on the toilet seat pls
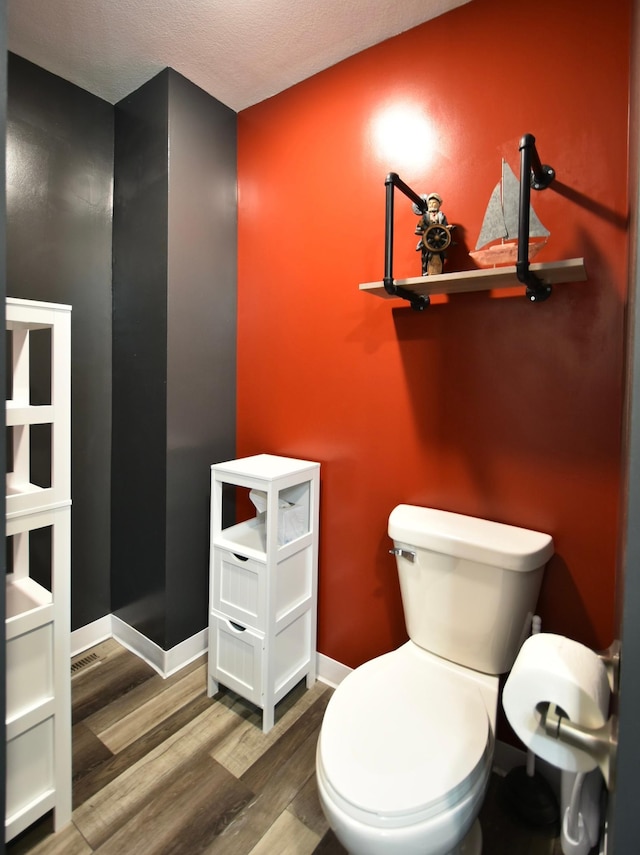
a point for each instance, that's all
(403, 740)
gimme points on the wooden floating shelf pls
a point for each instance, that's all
(551, 273)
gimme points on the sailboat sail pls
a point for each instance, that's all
(493, 225)
(501, 223)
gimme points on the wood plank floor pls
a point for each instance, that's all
(160, 769)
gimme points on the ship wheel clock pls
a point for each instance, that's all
(435, 234)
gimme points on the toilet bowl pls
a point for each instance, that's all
(404, 755)
(405, 748)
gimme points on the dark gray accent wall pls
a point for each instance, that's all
(174, 348)
(201, 337)
(138, 492)
(59, 217)
(173, 315)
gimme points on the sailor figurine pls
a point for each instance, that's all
(435, 234)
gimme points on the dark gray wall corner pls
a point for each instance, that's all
(201, 340)
(144, 248)
(139, 359)
(175, 251)
(59, 218)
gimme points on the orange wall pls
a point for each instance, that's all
(484, 404)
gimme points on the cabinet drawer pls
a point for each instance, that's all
(239, 589)
(236, 657)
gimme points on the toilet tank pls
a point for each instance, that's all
(469, 586)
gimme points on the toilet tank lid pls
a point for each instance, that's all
(470, 538)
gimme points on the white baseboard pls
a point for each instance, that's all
(331, 672)
(185, 652)
(165, 662)
(138, 643)
(90, 635)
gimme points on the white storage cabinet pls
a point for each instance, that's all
(263, 577)
(37, 621)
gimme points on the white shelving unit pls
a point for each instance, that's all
(38, 506)
(263, 577)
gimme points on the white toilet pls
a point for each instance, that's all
(406, 744)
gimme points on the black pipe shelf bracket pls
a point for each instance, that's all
(419, 302)
(539, 176)
(533, 174)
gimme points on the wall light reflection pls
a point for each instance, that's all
(403, 138)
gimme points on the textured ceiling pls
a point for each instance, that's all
(239, 51)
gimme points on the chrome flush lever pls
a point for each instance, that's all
(403, 553)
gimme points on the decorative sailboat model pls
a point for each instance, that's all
(498, 240)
